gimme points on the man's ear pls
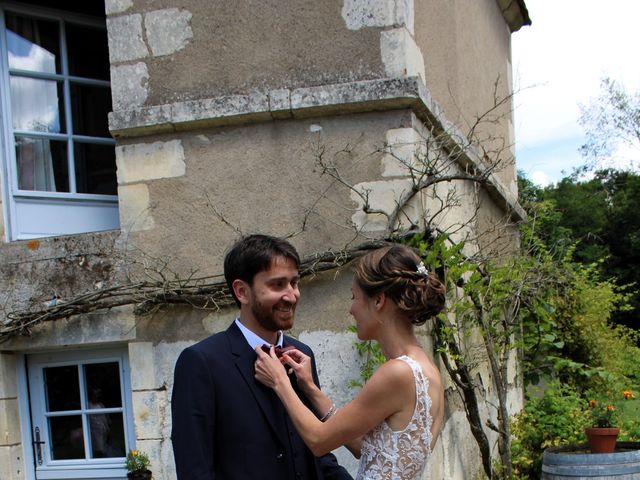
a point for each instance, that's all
(242, 290)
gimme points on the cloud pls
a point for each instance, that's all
(558, 63)
(540, 178)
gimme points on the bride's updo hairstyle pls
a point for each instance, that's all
(398, 272)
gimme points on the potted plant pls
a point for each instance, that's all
(137, 465)
(603, 432)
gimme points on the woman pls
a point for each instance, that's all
(393, 423)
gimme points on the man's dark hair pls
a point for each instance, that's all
(253, 254)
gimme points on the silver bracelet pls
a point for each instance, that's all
(331, 411)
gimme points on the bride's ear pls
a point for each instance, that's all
(380, 301)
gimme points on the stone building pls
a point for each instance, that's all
(141, 137)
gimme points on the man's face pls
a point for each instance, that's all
(274, 295)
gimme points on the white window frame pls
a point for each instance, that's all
(36, 214)
(31, 403)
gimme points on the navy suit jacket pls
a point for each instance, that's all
(226, 425)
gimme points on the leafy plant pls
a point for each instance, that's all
(556, 417)
(373, 358)
(137, 461)
(602, 414)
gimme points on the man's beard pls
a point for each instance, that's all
(266, 317)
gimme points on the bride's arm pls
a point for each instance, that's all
(385, 393)
(324, 407)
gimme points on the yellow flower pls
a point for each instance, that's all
(592, 403)
(627, 394)
(134, 453)
(610, 408)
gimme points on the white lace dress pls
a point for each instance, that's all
(400, 455)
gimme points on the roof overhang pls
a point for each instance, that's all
(515, 13)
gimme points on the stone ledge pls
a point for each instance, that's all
(353, 97)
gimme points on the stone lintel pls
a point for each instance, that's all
(352, 97)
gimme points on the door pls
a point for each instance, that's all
(81, 415)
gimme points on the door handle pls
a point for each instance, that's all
(36, 444)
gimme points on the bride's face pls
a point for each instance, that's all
(363, 312)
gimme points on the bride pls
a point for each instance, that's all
(393, 423)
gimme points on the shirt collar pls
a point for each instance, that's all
(256, 341)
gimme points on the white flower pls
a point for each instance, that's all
(422, 269)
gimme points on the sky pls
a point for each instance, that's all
(558, 63)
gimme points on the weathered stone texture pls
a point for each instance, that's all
(117, 6)
(149, 161)
(129, 86)
(11, 463)
(8, 380)
(136, 211)
(126, 40)
(9, 422)
(401, 55)
(167, 30)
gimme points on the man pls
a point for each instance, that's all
(226, 425)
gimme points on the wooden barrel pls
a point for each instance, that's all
(576, 462)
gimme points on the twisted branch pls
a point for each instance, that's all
(208, 293)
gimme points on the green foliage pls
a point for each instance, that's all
(373, 357)
(137, 461)
(555, 418)
(569, 341)
(597, 221)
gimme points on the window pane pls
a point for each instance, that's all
(103, 385)
(90, 107)
(62, 388)
(33, 44)
(95, 169)
(67, 439)
(88, 52)
(37, 105)
(107, 435)
(42, 164)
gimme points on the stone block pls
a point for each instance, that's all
(401, 55)
(135, 209)
(358, 14)
(153, 448)
(337, 360)
(117, 6)
(150, 161)
(9, 422)
(168, 30)
(149, 408)
(382, 196)
(280, 103)
(125, 38)
(142, 366)
(8, 380)
(403, 146)
(11, 463)
(129, 86)
(220, 107)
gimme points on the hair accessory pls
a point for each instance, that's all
(422, 270)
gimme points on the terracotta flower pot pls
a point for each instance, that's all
(141, 475)
(602, 440)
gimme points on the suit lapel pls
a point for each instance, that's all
(266, 399)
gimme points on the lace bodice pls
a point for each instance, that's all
(400, 455)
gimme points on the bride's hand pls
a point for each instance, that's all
(269, 369)
(300, 364)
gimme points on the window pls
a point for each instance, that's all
(81, 415)
(59, 170)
